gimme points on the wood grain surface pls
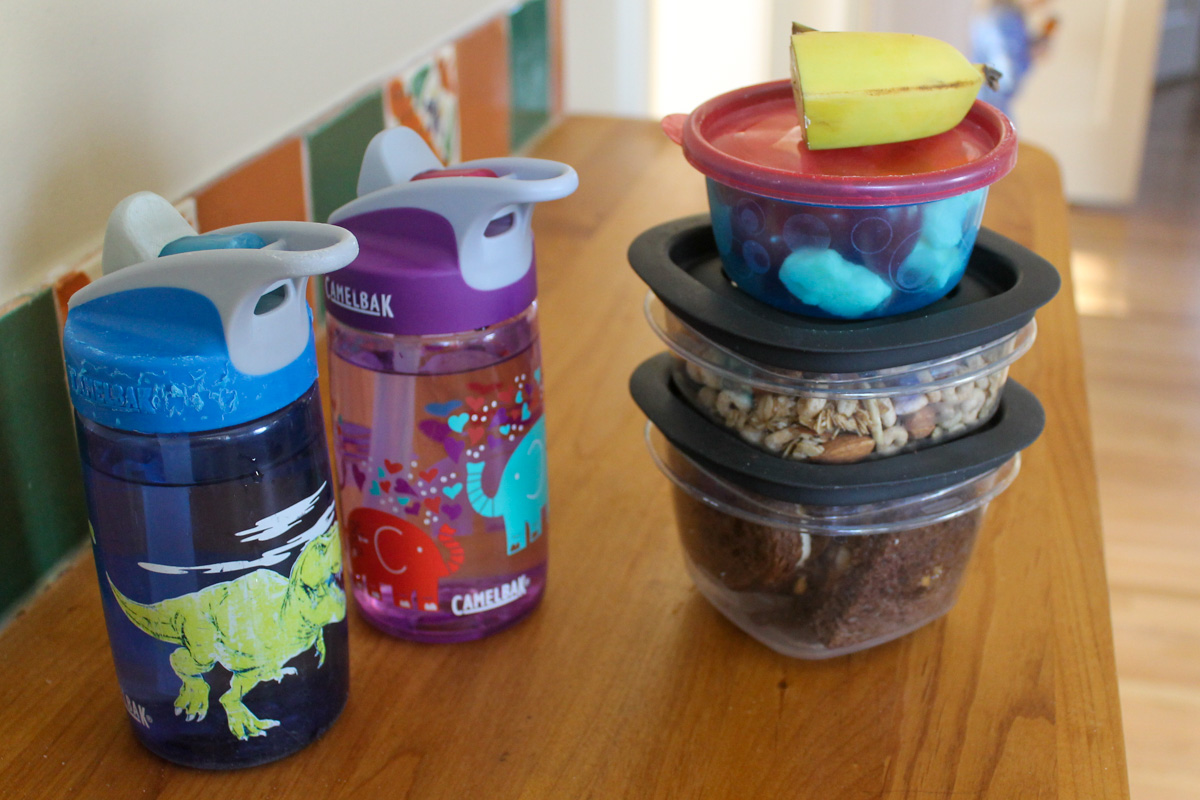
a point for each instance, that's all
(625, 683)
(1136, 287)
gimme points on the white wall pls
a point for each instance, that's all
(647, 58)
(948, 20)
(101, 99)
(606, 55)
(1088, 100)
(700, 50)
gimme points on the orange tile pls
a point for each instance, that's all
(483, 91)
(271, 187)
(64, 287)
(555, 25)
(402, 109)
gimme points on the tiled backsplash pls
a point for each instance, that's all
(42, 513)
(490, 93)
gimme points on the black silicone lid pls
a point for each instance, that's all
(1017, 423)
(1003, 286)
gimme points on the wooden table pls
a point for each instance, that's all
(625, 683)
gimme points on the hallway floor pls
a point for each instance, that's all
(1137, 280)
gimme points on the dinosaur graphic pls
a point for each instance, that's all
(521, 496)
(252, 626)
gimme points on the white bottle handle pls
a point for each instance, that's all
(260, 339)
(470, 204)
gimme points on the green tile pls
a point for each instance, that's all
(335, 152)
(42, 510)
(529, 72)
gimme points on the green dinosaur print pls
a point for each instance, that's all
(252, 626)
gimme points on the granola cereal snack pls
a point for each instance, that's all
(832, 430)
(818, 581)
(839, 417)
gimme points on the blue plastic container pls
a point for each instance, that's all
(849, 233)
(192, 368)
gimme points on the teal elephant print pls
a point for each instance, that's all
(521, 496)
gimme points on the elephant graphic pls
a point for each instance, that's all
(522, 493)
(391, 552)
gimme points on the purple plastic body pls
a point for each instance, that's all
(441, 476)
(406, 280)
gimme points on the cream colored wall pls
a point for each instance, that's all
(101, 99)
(1088, 100)
(606, 56)
(700, 52)
(698, 49)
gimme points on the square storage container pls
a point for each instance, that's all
(817, 561)
(838, 392)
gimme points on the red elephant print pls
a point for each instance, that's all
(389, 552)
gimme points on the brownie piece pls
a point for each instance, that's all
(738, 554)
(836, 590)
(865, 587)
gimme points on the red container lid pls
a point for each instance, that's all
(751, 139)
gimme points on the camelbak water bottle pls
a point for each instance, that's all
(192, 369)
(436, 382)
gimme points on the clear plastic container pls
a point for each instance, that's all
(840, 418)
(818, 581)
(847, 233)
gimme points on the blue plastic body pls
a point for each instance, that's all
(844, 262)
(192, 368)
(221, 582)
(155, 361)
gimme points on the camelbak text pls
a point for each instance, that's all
(375, 304)
(477, 602)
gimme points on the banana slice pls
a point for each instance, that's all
(860, 88)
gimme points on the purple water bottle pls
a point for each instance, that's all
(192, 368)
(436, 383)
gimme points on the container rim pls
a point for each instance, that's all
(1004, 286)
(848, 385)
(845, 191)
(850, 520)
(1016, 423)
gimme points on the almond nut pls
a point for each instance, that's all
(845, 450)
(921, 423)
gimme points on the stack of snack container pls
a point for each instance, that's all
(834, 410)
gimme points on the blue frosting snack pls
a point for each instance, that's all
(844, 262)
(824, 279)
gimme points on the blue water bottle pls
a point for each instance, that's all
(192, 369)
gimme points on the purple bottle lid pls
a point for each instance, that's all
(440, 250)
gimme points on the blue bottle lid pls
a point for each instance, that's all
(188, 333)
